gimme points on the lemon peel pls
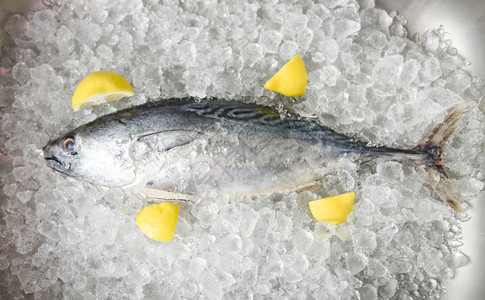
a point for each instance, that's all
(100, 87)
(290, 80)
(158, 221)
(334, 209)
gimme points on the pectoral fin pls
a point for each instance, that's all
(149, 152)
(166, 140)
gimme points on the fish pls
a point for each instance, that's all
(190, 148)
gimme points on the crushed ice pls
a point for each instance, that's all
(61, 238)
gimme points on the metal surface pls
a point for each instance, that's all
(465, 21)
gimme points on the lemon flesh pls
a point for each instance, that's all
(158, 221)
(291, 80)
(333, 209)
(99, 87)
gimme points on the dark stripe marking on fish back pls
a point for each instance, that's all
(266, 118)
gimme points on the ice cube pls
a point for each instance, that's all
(365, 241)
(355, 262)
(211, 287)
(45, 76)
(347, 12)
(270, 40)
(296, 21)
(304, 38)
(65, 40)
(85, 31)
(351, 66)
(249, 218)
(329, 48)
(231, 243)
(17, 27)
(345, 28)
(24, 196)
(431, 70)
(398, 29)
(386, 72)
(10, 189)
(205, 212)
(329, 75)
(430, 41)
(225, 279)
(25, 240)
(430, 259)
(187, 53)
(49, 229)
(197, 266)
(21, 73)
(377, 268)
(303, 239)
(368, 292)
(392, 171)
(318, 57)
(284, 225)
(336, 3)
(376, 19)
(43, 25)
(104, 54)
(264, 224)
(229, 82)
(389, 289)
(288, 50)
(7, 96)
(409, 72)
(21, 174)
(252, 53)
(378, 40)
(98, 11)
(460, 259)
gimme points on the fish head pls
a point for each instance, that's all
(91, 156)
(61, 153)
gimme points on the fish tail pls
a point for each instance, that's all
(431, 149)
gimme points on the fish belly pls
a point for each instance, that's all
(240, 161)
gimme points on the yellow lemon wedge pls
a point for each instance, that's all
(291, 80)
(99, 87)
(158, 221)
(334, 209)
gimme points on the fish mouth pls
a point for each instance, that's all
(54, 163)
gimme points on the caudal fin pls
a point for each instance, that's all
(432, 148)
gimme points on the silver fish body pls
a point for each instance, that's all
(189, 148)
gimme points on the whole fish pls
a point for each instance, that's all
(190, 148)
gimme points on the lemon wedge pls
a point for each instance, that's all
(291, 80)
(99, 87)
(158, 221)
(333, 209)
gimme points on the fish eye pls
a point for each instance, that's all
(69, 145)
